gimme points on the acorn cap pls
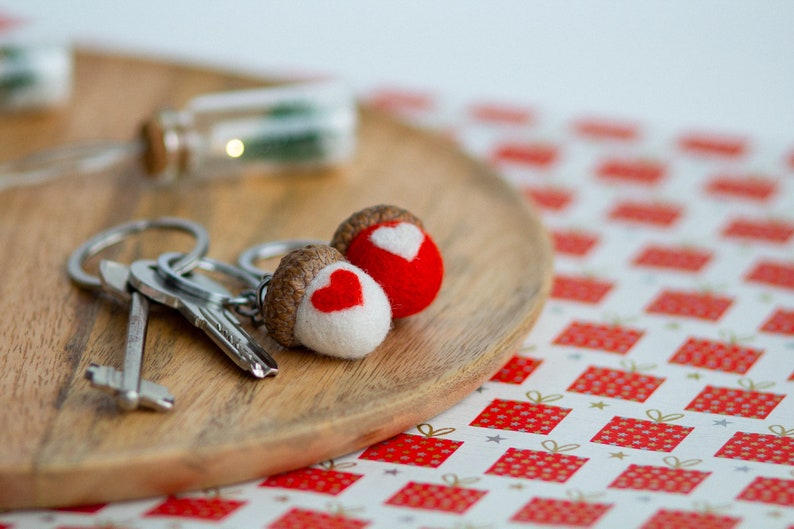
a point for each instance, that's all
(361, 220)
(288, 286)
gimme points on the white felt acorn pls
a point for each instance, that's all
(318, 300)
(391, 245)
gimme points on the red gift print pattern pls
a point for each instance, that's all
(773, 273)
(603, 129)
(657, 434)
(530, 417)
(669, 519)
(453, 497)
(774, 231)
(548, 198)
(650, 213)
(551, 464)
(700, 305)
(780, 322)
(769, 490)
(297, 518)
(639, 170)
(683, 259)
(573, 242)
(674, 478)
(617, 384)
(746, 402)
(582, 289)
(531, 154)
(493, 113)
(212, 509)
(712, 145)
(516, 370)
(426, 450)
(715, 355)
(326, 480)
(400, 101)
(777, 447)
(750, 187)
(599, 336)
(550, 511)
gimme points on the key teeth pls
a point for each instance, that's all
(90, 373)
(260, 371)
(239, 347)
(102, 377)
(167, 404)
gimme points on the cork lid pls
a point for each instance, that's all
(155, 154)
(164, 151)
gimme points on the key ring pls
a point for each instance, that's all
(269, 250)
(171, 274)
(118, 233)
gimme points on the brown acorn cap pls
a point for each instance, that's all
(361, 220)
(288, 286)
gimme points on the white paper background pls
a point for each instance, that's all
(723, 65)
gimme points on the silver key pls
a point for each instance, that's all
(130, 390)
(219, 323)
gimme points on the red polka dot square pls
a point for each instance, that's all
(581, 289)
(516, 370)
(718, 356)
(775, 491)
(780, 322)
(554, 512)
(537, 464)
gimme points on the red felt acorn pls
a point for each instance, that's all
(390, 244)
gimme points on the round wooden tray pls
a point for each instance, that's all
(64, 442)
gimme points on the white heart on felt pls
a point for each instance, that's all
(403, 239)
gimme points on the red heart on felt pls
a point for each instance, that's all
(342, 292)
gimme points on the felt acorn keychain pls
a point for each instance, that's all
(391, 245)
(339, 300)
(318, 300)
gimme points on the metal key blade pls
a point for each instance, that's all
(225, 330)
(220, 324)
(130, 394)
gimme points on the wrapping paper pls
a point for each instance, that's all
(653, 390)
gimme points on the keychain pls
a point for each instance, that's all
(316, 298)
(205, 305)
(309, 125)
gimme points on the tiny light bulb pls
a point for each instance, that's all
(235, 148)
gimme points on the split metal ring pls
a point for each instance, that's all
(116, 234)
(269, 250)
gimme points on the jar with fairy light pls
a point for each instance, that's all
(268, 130)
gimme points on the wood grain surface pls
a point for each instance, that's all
(63, 442)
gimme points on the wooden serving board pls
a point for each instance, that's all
(63, 442)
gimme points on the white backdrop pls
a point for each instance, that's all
(726, 65)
